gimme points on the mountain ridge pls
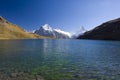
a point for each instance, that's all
(109, 30)
(47, 30)
(12, 31)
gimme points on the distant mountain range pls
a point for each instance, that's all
(48, 31)
(80, 31)
(107, 31)
(12, 31)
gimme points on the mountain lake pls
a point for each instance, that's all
(59, 59)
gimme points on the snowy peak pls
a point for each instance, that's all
(46, 27)
(47, 30)
(81, 31)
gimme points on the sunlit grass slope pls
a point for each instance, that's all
(12, 31)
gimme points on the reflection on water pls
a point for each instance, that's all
(59, 59)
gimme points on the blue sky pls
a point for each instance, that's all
(68, 15)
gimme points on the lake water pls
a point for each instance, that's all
(49, 59)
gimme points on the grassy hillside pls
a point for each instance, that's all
(12, 31)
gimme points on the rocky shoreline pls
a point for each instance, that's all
(19, 76)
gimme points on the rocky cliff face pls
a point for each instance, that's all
(12, 31)
(107, 31)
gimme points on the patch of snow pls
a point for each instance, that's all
(63, 32)
(46, 30)
(47, 27)
(81, 31)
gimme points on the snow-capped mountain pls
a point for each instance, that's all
(46, 30)
(81, 31)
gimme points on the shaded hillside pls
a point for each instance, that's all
(107, 31)
(12, 31)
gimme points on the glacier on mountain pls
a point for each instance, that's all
(47, 30)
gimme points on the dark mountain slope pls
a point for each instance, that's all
(107, 31)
